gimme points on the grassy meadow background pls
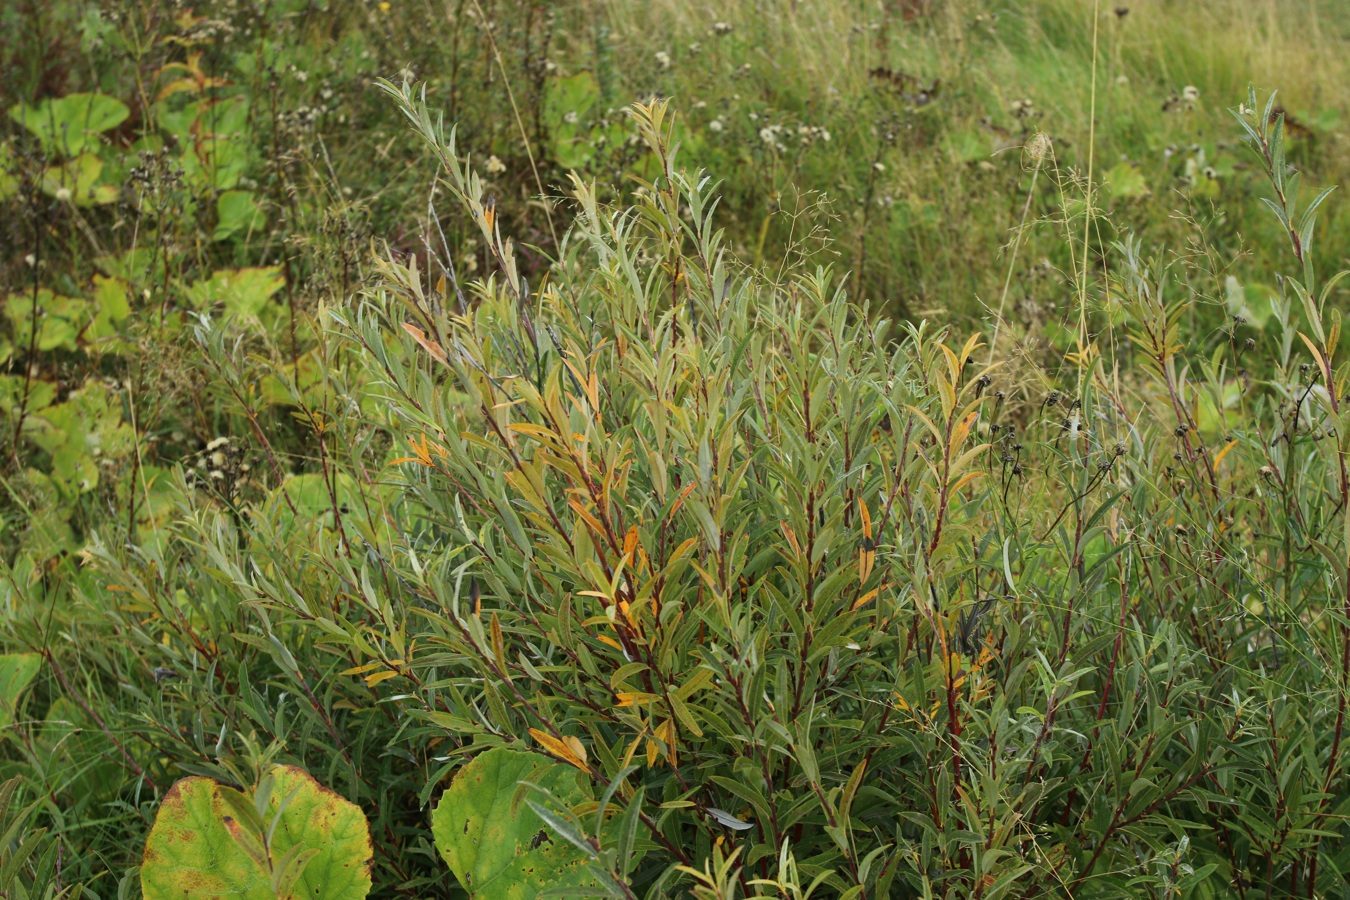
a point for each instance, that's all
(900, 442)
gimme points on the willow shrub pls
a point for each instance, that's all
(840, 606)
(812, 605)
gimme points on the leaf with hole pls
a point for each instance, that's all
(496, 845)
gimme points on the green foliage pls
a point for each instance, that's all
(16, 672)
(292, 838)
(29, 868)
(68, 126)
(621, 526)
(496, 845)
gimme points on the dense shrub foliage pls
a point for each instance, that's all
(612, 544)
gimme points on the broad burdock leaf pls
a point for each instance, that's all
(199, 847)
(496, 845)
(69, 125)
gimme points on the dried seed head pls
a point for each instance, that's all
(1038, 148)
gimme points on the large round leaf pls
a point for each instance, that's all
(69, 125)
(497, 846)
(193, 850)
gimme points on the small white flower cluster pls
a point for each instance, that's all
(209, 30)
(221, 463)
(495, 166)
(663, 59)
(721, 29)
(1197, 168)
(1172, 150)
(1191, 94)
(302, 118)
(215, 453)
(1023, 109)
(809, 134)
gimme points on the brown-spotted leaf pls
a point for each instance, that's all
(198, 847)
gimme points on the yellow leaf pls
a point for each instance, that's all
(1317, 355)
(960, 433)
(421, 337)
(973, 343)
(866, 559)
(1218, 457)
(666, 732)
(587, 517)
(953, 364)
(965, 479)
(178, 85)
(534, 431)
(498, 644)
(569, 749)
(679, 501)
(865, 599)
(684, 548)
(372, 680)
